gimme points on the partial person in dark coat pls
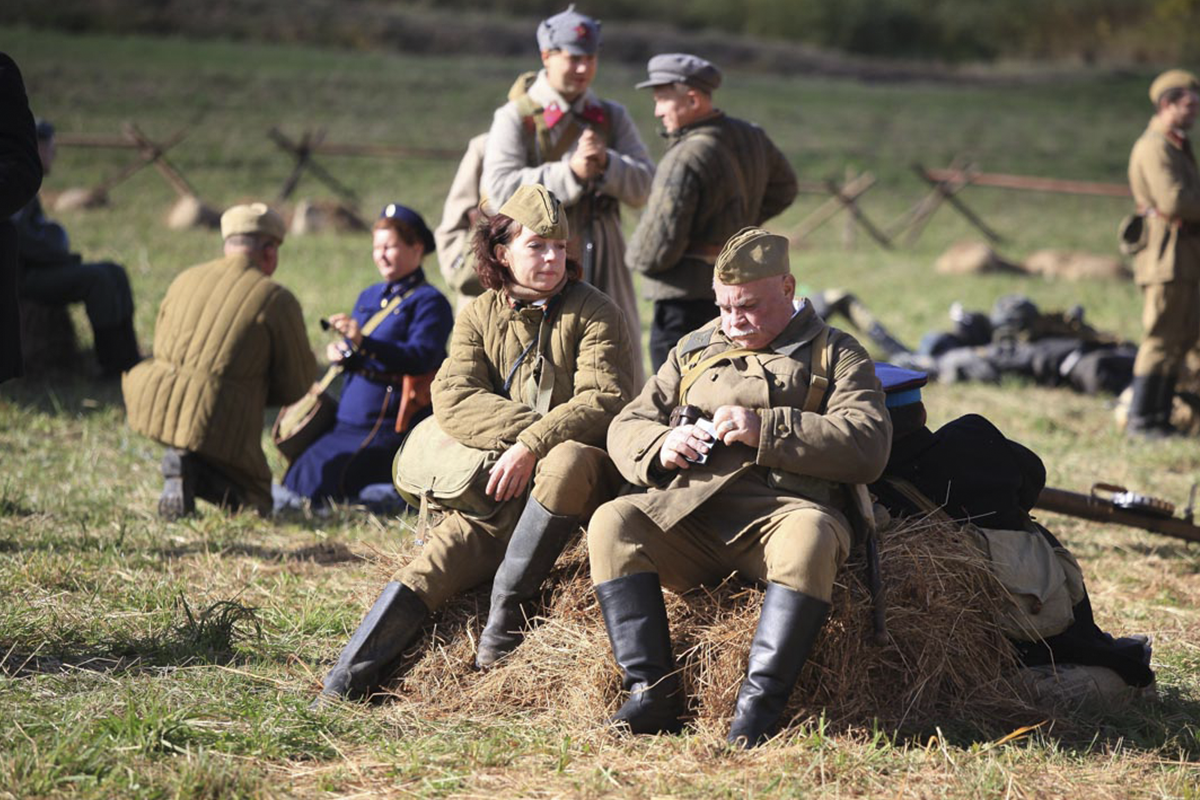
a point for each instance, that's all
(53, 275)
(410, 341)
(20, 178)
(719, 175)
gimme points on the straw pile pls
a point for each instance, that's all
(946, 659)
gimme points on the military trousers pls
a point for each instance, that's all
(1171, 320)
(462, 551)
(800, 549)
(103, 289)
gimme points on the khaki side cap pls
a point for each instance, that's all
(536, 207)
(752, 254)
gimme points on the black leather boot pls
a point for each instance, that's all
(1164, 402)
(636, 619)
(116, 349)
(787, 629)
(178, 497)
(536, 544)
(1150, 407)
(391, 624)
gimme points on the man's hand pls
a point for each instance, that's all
(682, 445)
(511, 473)
(738, 424)
(347, 326)
(590, 158)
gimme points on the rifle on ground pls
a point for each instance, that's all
(1115, 504)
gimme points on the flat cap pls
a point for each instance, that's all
(536, 207)
(692, 70)
(1172, 79)
(413, 220)
(253, 218)
(577, 34)
(750, 255)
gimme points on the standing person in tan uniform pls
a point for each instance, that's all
(719, 175)
(229, 341)
(745, 440)
(1166, 187)
(585, 150)
(538, 367)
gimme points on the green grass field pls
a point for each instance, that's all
(131, 665)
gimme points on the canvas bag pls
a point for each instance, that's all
(456, 479)
(303, 422)
(1132, 236)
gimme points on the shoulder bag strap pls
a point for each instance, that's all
(693, 371)
(818, 383)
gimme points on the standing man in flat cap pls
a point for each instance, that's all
(54, 275)
(719, 175)
(229, 341)
(556, 132)
(1166, 187)
(745, 441)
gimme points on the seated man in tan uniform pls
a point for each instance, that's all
(796, 412)
(229, 341)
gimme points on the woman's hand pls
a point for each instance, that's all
(347, 326)
(511, 474)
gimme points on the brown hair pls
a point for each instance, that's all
(406, 232)
(501, 229)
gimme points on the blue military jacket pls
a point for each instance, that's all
(410, 341)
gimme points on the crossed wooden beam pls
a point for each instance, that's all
(944, 188)
(302, 153)
(150, 153)
(843, 197)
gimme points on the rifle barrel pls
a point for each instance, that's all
(1086, 506)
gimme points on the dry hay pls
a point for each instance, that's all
(1076, 265)
(946, 659)
(972, 258)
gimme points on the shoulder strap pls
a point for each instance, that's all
(379, 316)
(695, 369)
(818, 369)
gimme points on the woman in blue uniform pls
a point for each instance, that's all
(410, 340)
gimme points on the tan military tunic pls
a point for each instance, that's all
(774, 513)
(229, 341)
(587, 345)
(1164, 177)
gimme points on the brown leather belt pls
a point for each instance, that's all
(389, 378)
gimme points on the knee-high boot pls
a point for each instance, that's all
(636, 619)
(536, 544)
(391, 624)
(787, 630)
(116, 348)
